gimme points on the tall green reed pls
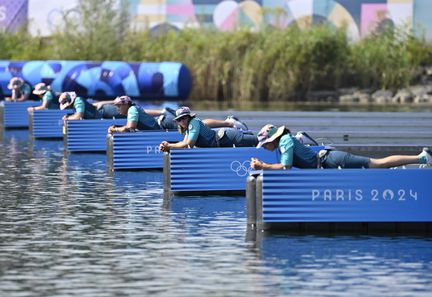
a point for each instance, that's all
(235, 68)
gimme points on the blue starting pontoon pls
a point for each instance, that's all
(212, 169)
(48, 123)
(139, 150)
(330, 200)
(15, 115)
(88, 135)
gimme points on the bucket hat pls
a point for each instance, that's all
(269, 133)
(15, 83)
(183, 111)
(66, 99)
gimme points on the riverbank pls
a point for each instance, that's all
(311, 106)
(243, 67)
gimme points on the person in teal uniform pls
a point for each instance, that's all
(198, 133)
(137, 118)
(20, 90)
(144, 119)
(84, 109)
(49, 99)
(295, 154)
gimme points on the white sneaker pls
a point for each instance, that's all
(426, 156)
(160, 120)
(236, 123)
(305, 139)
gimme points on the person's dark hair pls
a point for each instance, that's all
(285, 131)
(181, 129)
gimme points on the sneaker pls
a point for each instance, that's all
(426, 156)
(160, 120)
(305, 139)
(237, 123)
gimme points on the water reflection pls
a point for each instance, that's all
(68, 227)
(354, 264)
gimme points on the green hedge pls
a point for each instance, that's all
(239, 67)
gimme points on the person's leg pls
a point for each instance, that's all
(166, 121)
(340, 159)
(110, 111)
(233, 137)
(248, 140)
(425, 157)
(236, 123)
(212, 123)
(154, 112)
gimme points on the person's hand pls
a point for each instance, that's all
(256, 164)
(30, 109)
(15, 94)
(164, 146)
(111, 129)
(65, 118)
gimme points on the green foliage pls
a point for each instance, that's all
(234, 68)
(382, 60)
(95, 30)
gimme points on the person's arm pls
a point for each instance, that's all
(286, 147)
(24, 93)
(41, 107)
(15, 95)
(258, 165)
(165, 146)
(24, 97)
(75, 116)
(129, 126)
(79, 107)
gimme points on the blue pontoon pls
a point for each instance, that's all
(15, 115)
(88, 135)
(331, 200)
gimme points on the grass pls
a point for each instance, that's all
(237, 68)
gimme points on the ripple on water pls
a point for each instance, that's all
(68, 228)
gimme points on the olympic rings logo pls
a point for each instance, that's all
(241, 169)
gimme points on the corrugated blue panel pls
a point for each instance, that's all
(48, 123)
(213, 169)
(140, 150)
(351, 195)
(89, 135)
(15, 114)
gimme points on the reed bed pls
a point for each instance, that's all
(239, 67)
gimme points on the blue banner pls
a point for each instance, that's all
(354, 195)
(102, 80)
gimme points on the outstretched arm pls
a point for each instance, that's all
(23, 97)
(75, 116)
(40, 107)
(258, 165)
(18, 95)
(129, 126)
(165, 146)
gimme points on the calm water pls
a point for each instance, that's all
(67, 228)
